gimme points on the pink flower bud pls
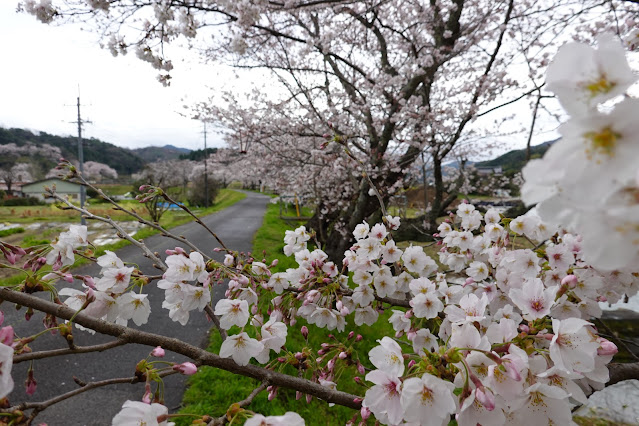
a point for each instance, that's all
(357, 380)
(146, 398)
(411, 363)
(304, 331)
(158, 352)
(351, 334)
(186, 368)
(67, 277)
(342, 355)
(30, 383)
(254, 309)
(308, 398)
(361, 369)
(524, 328)
(331, 364)
(358, 338)
(88, 281)
(298, 395)
(293, 321)
(570, 281)
(606, 347)
(365, 412)
(90, 295)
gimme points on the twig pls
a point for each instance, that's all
(389, 300)
(59, 352)
(617, 339)
(197, 219)
(38, 407)
(139, 218)
(209, 311)
(243, 403)
(123, 234)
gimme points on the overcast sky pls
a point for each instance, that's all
(41, 67)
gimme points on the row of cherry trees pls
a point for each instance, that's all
(385, 81)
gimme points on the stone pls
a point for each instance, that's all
(618, 403)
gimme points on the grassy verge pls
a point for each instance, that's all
(225, 198)
(212, 391)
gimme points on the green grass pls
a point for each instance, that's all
(11, 231)
(212, 391)
(115, 188)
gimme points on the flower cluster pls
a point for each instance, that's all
(588, 181)
(110, 296)
(181, 297)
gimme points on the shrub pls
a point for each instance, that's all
(26, 201)
(197, 196)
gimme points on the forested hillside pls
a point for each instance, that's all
(151, 154)
(40, 150)
(513, 161)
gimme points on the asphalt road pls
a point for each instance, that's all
(235, 226)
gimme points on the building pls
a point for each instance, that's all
(63, 187)
(488, 170)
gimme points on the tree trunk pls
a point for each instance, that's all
(333, 242)
(438, 196)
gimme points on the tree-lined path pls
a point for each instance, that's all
(235, 226)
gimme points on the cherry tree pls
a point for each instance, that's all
(384, 80)
(11, 172)
(168, 174)
(99, 171)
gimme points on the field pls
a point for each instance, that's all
(43, 227)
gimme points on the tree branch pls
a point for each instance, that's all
(38, 407)
(200, 356)
(59, 352)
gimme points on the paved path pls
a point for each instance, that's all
(235, 226)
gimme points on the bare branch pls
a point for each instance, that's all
(59, 352)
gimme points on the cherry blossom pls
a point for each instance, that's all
(241, 348)
(135, 413)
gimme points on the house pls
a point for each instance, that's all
(15, 187)
(488, 170)
(63, 187)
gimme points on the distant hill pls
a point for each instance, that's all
(121, 159)
(198, 155)
(151, 154)
(513, 161)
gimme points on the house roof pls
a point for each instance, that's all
(51, 181)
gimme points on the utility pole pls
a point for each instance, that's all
(80, 122)
(206, 174)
